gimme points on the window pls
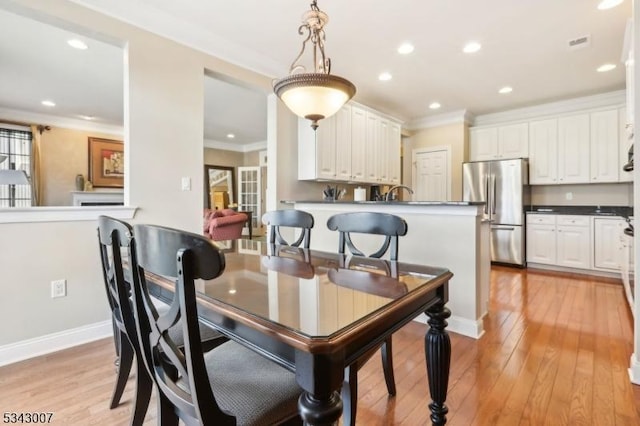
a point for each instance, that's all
(15, 154)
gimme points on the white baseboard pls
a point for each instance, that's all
(466, 327)
(634, 370)
(54, 342)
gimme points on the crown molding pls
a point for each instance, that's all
(453, 117)
(609, 99)
(236, 147)
(168, 26)
(56, 121)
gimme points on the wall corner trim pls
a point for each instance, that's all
(454, 117)
(31, 348)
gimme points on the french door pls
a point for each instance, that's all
(249, 194)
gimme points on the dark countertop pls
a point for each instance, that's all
(390, 203)
(622, 211)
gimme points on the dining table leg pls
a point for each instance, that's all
(437, 347)
(320, 377)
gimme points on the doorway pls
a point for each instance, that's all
(432, 173)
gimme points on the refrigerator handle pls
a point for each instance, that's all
(486, 195)
(493, 196)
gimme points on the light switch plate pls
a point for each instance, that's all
(568, 196)
(186, 184)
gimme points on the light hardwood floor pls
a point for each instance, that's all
(555, 352)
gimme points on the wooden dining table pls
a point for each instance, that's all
(315, 313)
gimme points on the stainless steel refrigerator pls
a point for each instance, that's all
(504, 187)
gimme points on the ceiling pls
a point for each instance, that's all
(524, 45)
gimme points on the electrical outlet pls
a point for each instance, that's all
(568, 196)
(186, 184)
(58, 288)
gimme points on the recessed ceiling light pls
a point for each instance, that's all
(232, 291)
(77, 44)
(405, 48)
(48, 103)
(472, 47)
(87, 117)
(385, 76)
(435, 105)
(606, 67)
(608, 4)
(230, 135)
(505, 90)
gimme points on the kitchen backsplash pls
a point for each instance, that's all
(614, 194)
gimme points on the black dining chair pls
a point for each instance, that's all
(289, 219)
(391, 227)
(227, 386)
(113, 237)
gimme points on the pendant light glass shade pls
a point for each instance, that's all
(319, 94)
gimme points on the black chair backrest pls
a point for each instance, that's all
(292, 219)
(368, 223)
(180, 377)
(113, 236)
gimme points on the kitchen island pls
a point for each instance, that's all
(447, 234)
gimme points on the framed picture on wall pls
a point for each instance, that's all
(106, 163)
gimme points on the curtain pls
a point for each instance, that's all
(36, 175)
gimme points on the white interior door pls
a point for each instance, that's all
(249, 193)
(432, 174)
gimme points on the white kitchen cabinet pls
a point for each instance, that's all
(500, 143)
(393, 157)
(372, 136)
(573, 241)
(344, 144)
(483, 144)
(354, 145)
(358, 143)
(625, 143)
(573, 149)
(317, 150)
(541, 238)
(604, 150)
(543, 152)
(606, 239)
(382, 152)
(513, 141)
(560, 240)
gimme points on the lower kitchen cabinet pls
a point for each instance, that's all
(541, 243)
(574, 241)
(606, 253)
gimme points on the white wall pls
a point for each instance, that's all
(163, 140)
(603, 194)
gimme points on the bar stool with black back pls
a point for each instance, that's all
(289, 219)
(114, 236)
(391, 227)
(227, 386)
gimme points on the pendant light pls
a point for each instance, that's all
(318, 94)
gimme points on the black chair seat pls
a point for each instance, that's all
(257, 391)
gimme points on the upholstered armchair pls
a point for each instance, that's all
(223, 224)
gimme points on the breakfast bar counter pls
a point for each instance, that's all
(450, 234)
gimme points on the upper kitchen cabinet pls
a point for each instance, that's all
(355, 145)
(500, 143)
(393, 153)
(605, 151)
(573, 149)
(543, 152)
(344, 144)
(317, 150)
(358, 143)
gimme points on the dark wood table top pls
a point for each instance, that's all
(314, 301)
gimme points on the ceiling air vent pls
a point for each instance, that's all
(579, 43)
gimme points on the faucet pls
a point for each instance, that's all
(389, 193)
